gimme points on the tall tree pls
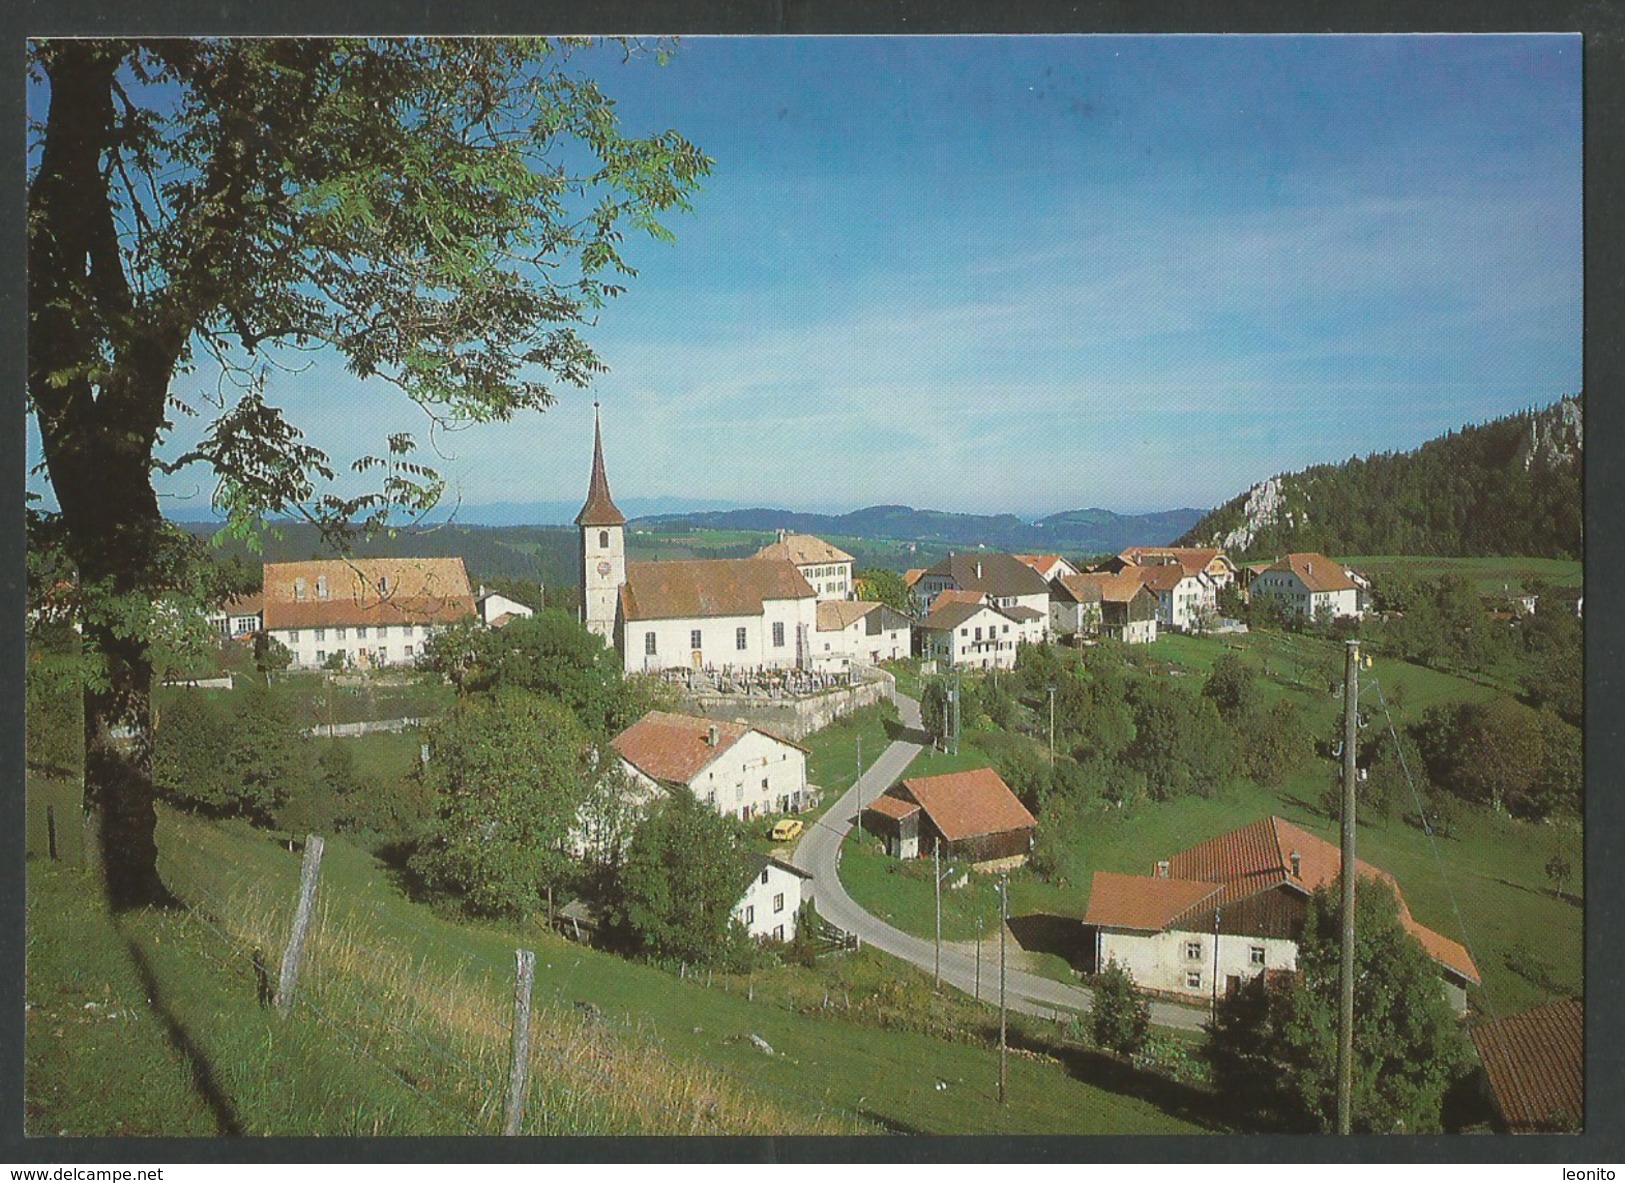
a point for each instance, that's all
(443, 213)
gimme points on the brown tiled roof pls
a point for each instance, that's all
(1119, 588)
(1019, 612)
(912, 576)
(1535, 1062)
(1044, 564)
(834, 615)
(366, 592)
(1316, 571)
(599, 509)
(965, 804)
(674, 748)
(1143, 902)
(893, 807)
(802, 549)
(1191, 558)
(992, 572)
(954, 595)
(1159, 577)
(689, 588)
(244, 605)
(1258, 857)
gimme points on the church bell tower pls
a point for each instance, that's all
(603, 546)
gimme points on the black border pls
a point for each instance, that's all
(1603, 26)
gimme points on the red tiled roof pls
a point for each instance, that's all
(674, 748)
(1139, 901)
(912, 576)
(1258, 857)
(1159, 576)
(1044, 564)
(365, 592)
(1118, 588)
(1316, 572)
(1535, 1062)
(690, 588)
(950, 614)
(893, 807)
(1191, 558)
(965, 804)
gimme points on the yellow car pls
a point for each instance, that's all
(785, 830)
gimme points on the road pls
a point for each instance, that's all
(819, 854)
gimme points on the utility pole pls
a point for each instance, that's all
(1004, 915)
(936, 879)
(1213, 1007)
(1345, 1018)
(1051, 728)
(860, 773)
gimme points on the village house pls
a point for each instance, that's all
(740, 613)
(1533, 1066)
(1191, 559)
(859, 632)
(963, 629)
(1048, 566)
(1117, 607)
(1187, 601)
(240, 617)
(495, 609)
(368, 613)
(738, 770)
(1224, 911)
(772, 899)
(971, 816)
(828, 569)
(1003, 580)
(1311, 585)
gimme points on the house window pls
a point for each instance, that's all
(361, 633)
(321, 656)
(603, 540)
(321, 587)
(978, 634)
(778, 932)
(764, 783)
(694, 638)
(1193, 950)
(778, 634)
(299, 589)
(1255, 954)
(764, 876)
(778, 902)
(293, 636)
(649, 644)
(750, 913)
(407, 629)
(739, 637)
(338, 632)
(383, 630)
(1193, 980)
(965, 632)
(321, 634)
(409, 651)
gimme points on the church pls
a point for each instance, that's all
(756, 613)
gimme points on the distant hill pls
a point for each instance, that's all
(1512, 486)
(1075, 532)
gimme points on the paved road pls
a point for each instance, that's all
(819, 853)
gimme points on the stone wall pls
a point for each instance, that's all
(792, 718)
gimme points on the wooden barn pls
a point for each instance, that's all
(966, 815)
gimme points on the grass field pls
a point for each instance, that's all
(1488, 575)
(655, 1043)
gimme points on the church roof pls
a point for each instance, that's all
(693, 588)
(600, 507)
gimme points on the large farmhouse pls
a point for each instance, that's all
(859, 631)
(828, 569)
(963, 629)
(1232, 907)
(1115, 606)
(365, 613)
(1007, 583)
(1312, 585)
(738, 770)
(1208, 560)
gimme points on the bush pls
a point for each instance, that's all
(1120, 1020)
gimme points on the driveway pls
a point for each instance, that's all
(819, 854)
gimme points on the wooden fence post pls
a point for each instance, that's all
(519, 1065)
(288, 979)
(50, 829)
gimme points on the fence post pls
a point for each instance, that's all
(50, 829)
(288, 979)
(519, 1067)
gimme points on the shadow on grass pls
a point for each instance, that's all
(1045, 932)
(899, 732)
(1188, 1102)
(203, 1076)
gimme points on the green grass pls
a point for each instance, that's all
(1488, 575)
(384, 755)
(832, 751)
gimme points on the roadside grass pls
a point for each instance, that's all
(833, 752)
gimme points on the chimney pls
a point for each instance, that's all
(1162, 868)
(781, 534)
(1297, 864)
(712, 734)
(978, 568)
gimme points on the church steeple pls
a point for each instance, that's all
(600, 507)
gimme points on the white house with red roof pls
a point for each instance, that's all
(963, 629)
(827, 568)
(1186, 600)
(1230, 908)
(1207, 559)
(738, 770)
(1048, 566)
(1312, 585)
(859, 632)
(772, 899)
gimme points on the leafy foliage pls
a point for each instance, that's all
(244, 758)
(683, 873)
(878, 583)
(508, 773)
(1120, 1020)
(1505, 755)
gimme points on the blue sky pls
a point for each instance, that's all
(1040, 273)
